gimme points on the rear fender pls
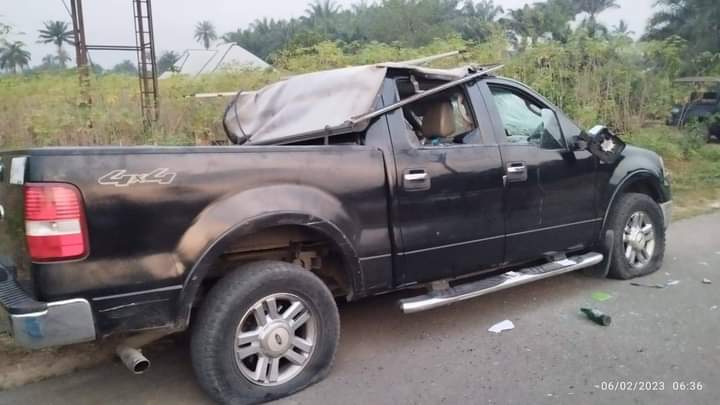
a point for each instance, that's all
(254, 210)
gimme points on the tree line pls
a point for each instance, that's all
(416, 23)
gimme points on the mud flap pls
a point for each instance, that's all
(601, 270)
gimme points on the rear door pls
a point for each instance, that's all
(448, 196)
(550, 192)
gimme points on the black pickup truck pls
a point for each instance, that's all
(341, 184)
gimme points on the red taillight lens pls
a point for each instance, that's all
(54, 222)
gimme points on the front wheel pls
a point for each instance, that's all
(639, 245)
(266, 330)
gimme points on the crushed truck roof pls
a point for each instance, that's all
(322, 103)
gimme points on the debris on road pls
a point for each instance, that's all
(502, 326)
(707, 281)
(600, 296)
(714, 307)
(672, 282)
(636, 284)
(597, 316)
(706, 264)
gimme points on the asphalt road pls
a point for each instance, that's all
(553, 355)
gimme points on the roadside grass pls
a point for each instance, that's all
(694, 167)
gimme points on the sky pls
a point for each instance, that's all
(110, 21)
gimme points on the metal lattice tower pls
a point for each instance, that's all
(147, 67)
(144, 47)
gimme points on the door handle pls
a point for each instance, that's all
(416, 180)
(516, 172)
(415, 176)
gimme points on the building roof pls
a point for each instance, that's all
(196, 62)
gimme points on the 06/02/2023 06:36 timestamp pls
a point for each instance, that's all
(650, 385)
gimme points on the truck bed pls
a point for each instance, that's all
(152, 211)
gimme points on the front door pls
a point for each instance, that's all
(448, 198)
(550, 197)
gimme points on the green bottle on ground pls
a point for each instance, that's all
(597, 316)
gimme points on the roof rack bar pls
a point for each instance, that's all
(416, 97)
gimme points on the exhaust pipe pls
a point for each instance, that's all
(129, 350)
(133, 359)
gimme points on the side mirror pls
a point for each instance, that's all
(602, 143)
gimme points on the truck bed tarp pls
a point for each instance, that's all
(312, 103)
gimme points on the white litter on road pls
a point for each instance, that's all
(672, 282)
(714, 307)
(707, 281)
(703, 263)
(502, 326)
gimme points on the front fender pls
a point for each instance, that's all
(256, 209)
(637, 165)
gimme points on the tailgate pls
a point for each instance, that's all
(13, 249)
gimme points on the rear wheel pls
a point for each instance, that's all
(639, 245)
(266, 330)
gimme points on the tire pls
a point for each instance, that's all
(231, 305)
(634, 207)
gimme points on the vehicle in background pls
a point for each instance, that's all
(702, 105)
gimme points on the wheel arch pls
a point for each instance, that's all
(641, 181)
(254, 226)
(252, 211)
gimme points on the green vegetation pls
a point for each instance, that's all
(694, 166)
(13, 56)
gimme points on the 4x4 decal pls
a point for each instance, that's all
(121, 178)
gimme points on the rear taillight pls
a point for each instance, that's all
(54, 222)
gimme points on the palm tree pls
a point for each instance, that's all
(168, 61)
(693, 20)
(13, 56)
(48, 60)
(62, 58)
(593, 8)
(57, 33)
(205, 33)
(622, 29)
(484, 10)
(525, 24)
(321, 14)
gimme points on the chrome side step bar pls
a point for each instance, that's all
(488, 285)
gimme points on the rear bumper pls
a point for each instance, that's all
(36, 325)
(667, 209)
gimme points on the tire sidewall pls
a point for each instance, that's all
(231, 385)
(629, 204)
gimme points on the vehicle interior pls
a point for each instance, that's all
(441, 119)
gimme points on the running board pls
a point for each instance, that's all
(488, 285)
